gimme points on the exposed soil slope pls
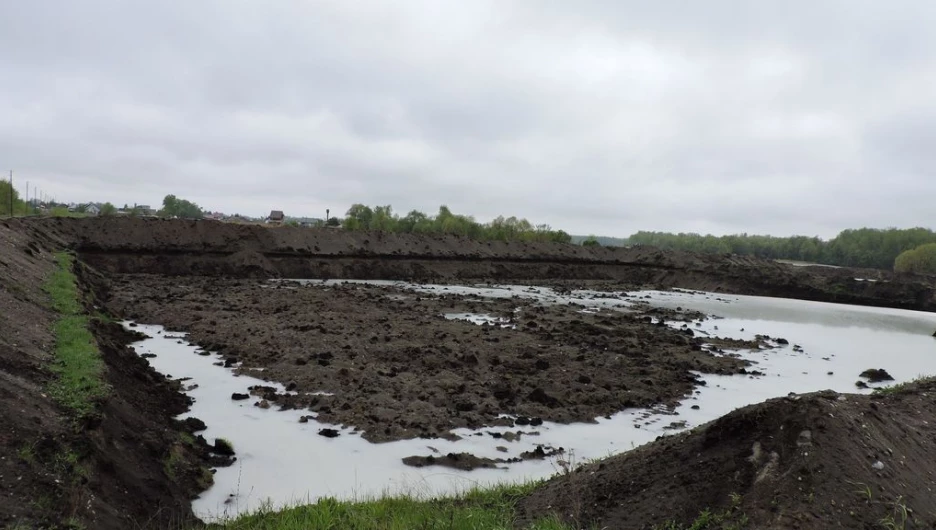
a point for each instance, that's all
(109, 472)
(178, 247)
(399, 369)
(814, 461)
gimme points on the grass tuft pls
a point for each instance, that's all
(78, 366)
(476, 509)
(899, 387)
(732, 518)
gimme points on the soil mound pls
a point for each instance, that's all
(821, 460)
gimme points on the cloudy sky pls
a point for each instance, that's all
(602, 117)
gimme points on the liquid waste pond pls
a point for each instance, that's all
(282, 461)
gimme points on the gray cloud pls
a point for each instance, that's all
(598, 117)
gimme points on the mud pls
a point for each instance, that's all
(469, 462)
(821, 460)
(389, 362)
(178, 247)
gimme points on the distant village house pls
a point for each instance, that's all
(276, 217)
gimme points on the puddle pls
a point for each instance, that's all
(481, 319)
(586, 298)
(284, 461)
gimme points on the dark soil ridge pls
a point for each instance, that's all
(822, 460)
(181, 247)
(111, 471)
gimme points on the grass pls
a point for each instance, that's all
(224, 445)
(78, 366)
(732, 518)
(899, 387)
(477, 509)
(174, 462)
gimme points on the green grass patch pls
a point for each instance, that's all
(78, 366)
(732, 518)
(488, 509)
(899, 387)
(174, 462)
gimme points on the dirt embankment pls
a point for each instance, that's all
(391, 364)
(814, 461)
(178, 247)
(111, 471)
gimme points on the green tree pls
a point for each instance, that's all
(108, 209)
(591, 241)
(920, 260)
(19, 206)
(176, 207)
(358, 217)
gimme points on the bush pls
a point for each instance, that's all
(921, 260)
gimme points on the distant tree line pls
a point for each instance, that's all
(19, 205)
(361, 217)
(863, 247)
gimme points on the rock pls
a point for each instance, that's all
(539, 395)
(147, 355)
(304, 419)
(263, 404)
(230, 361)
(193, 425)
(522, 420)
(876, 375)
(329, 433)
(878, 465)
(861, 384)
(237, 396)
(462, 461)
(804, 439)
(536, 422)
(541, 453)
(290, 386)
(782, 341)
(695, 407)
(222, 447)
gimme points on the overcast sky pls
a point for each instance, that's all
(598, 117)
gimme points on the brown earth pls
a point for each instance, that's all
(107, 472)
(399, 369)
(820, 460)
(178, 247)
